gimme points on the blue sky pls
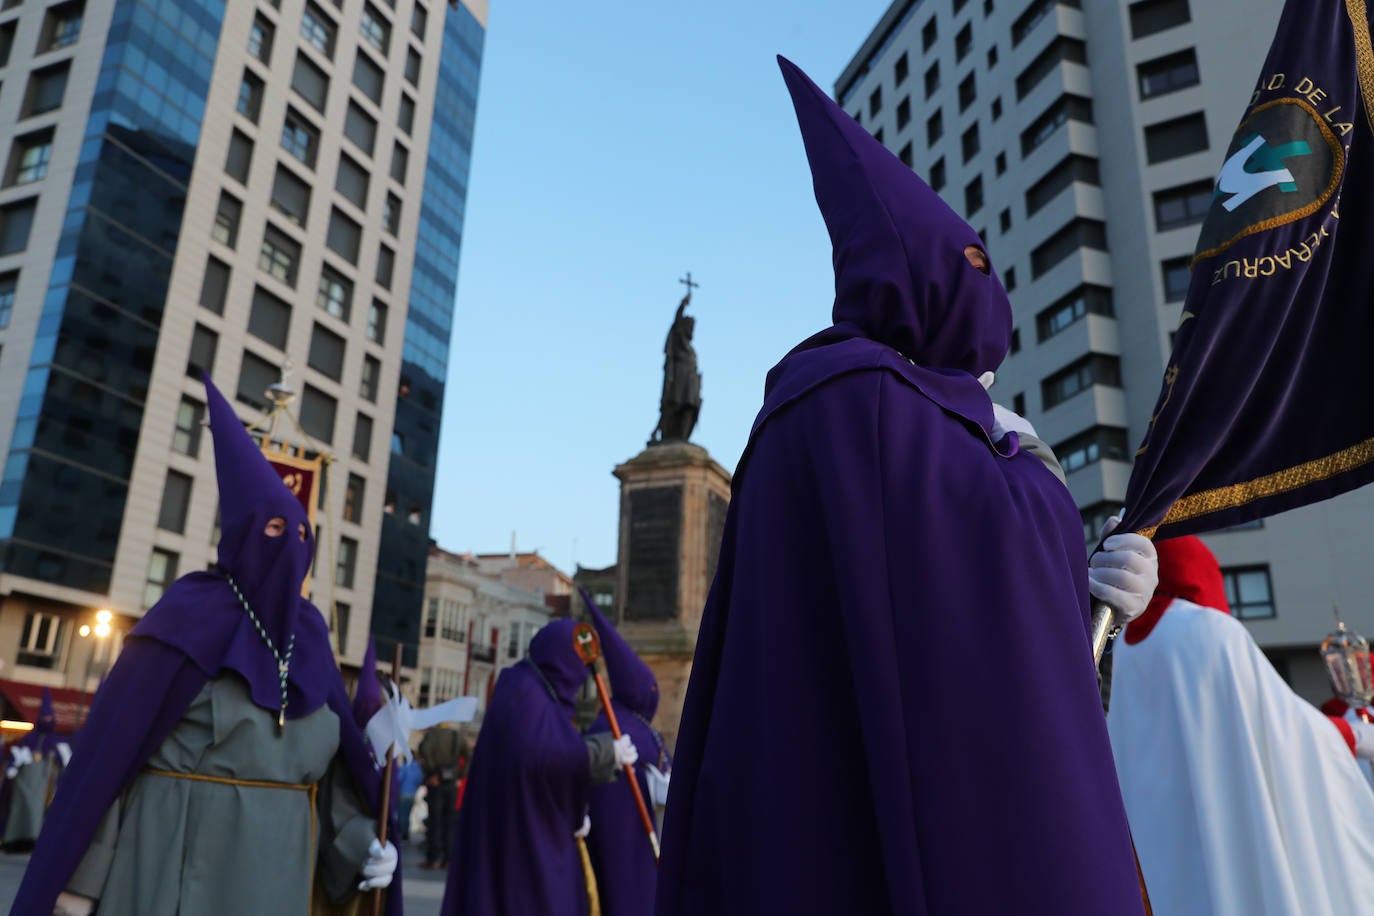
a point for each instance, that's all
(619, 145)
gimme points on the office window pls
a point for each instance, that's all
(905, 155)
(162, 572)
(875, 102)
(1168, 74)
(405, 117)
(256, 375)
(937, 175)
(300, 138)
(269, 319)
(932, 79)
(400, 161)
(1000, 163)
(987, 8)
(412, 72)
(214, 285)
(351, 181)
(1009, 279)
(1175, 138)
(1094, 517)
(386, 265)
(1064, 109)
(227, 216)
(335, 294)
(996, 108)
(344, 236)
(968, 92)
(929, 34)
(176, 499)
(7, 31)
(368, 77)
(375, 30)
(317, 414)
(1092, 446)
(360, 128)
(16, 220)
(353, 498)
(959, 5)
(1004, 221)
(1182, 206)
(879, 135)
(260, 39)
(346, 560)
(40, 644)
(250, 97)
(900, 70)
(1062, 49)
(1151, 16)
(418, 20)
(1177, 273)
(963, 42)
(1249, 591)
(239, 158)
(376, 322)
(1068, 309)
(1015, 346)
(1018, 403)
(903, 113)
(973, 196)
(372, 370)
(204, 343)
(1076, 234)
(1064, 173)
(391, 214)
(290, 196)
(279, 256)
(9, 282)
(310, 82)
(318, 29)
(362, 437)
(992, 57)
(1080, 375)
(935, 127)
(46, 89)
(326, 352)
(61, 26)
(342, 614)
(969, 143)
(29, 158)
(1033, 15)
(186, 434)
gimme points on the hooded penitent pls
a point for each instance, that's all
(624, 860)
(44, 737)
(1242, 797)
(200, 630)
(526, 792)
(883, 556)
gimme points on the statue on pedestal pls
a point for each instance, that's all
(680, 402)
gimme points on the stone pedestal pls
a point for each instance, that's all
(673, 499)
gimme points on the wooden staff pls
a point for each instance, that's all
(379, 895)
(588, 647)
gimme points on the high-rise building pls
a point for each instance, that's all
(1082, 140)
(238, 188)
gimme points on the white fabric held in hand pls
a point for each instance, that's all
(625, 751)
(380, 866)
(69, 904)
(1124, 572)
(658, 785)
(586, 828)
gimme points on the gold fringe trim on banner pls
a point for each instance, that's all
(1364, 55)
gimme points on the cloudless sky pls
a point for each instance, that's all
(619, 145)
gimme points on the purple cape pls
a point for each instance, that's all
(526, 793)
(626, 872)
(883, 561)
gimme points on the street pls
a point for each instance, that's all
(424, 890)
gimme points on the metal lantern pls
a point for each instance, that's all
(1346, 656)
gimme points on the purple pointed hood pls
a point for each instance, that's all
(552, 652)
(632, 682)
(367, 699)
(47, 718)
(269, 570)
(901, 277)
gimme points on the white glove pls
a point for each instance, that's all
(380, 866)
(586, 828)
(1124, 572)
(69, 904)
(1004, 421)
(1364, 738)
(986, 380)
(625, 751)
(20, 757)
(658, 785)
(64, 750)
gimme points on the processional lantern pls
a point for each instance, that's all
(1346, 656)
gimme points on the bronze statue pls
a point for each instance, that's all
(680, 402)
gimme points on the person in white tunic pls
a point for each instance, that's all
(1243, 798)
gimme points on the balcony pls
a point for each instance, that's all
(483, 653)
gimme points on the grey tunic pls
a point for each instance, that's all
(29, 791)
(171, 845)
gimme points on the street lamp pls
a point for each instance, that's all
(101, 630)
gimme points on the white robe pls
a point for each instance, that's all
(1244, 800)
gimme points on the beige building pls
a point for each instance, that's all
(1082, 139)
(475, 626)
(235, 188)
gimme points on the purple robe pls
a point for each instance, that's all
(526, 791)
(883, 560)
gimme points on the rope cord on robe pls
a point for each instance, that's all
(283, 662)
(593, 896)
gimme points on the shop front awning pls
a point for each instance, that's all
(23, 700)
